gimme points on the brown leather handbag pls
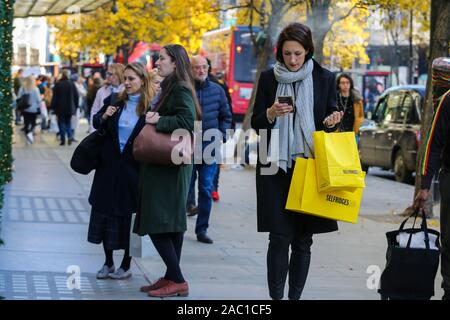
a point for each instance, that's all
(153, 147)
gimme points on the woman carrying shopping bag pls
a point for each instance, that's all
(310, 105)
(163, 189)
(114, 190)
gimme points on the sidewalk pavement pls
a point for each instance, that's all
(344, 264)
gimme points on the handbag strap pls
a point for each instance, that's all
(423, 226)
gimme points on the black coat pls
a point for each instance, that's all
(272, 190)
(65, 98)
(115, 187)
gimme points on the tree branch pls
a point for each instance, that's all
(346, 15)
(246, 6)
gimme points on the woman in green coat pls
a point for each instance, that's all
(163, 189)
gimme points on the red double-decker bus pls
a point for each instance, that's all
(232, 56)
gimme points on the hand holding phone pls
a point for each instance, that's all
(286, 99)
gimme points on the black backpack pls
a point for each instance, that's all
(23, 102)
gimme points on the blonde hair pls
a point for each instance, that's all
(147, 89)
(29, 83)
(117, 69)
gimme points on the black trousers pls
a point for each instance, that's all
(169, 247)
(279, 263)
(444, 188)
(29, 120)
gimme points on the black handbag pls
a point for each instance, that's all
(410, 272)
(23, 102)
(87, 155)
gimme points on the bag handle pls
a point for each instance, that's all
(424, 227)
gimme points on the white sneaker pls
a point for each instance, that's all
(120, 274)
(104, 272)
(30, 138)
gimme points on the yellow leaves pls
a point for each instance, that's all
(348, 38)
(169, 21)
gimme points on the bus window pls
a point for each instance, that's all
(245, 60)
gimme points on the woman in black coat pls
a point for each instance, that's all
(114, 190)
(313, 94)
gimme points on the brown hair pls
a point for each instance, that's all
(117, 69)
(147, 89)
(346, 76)
(295, 32)
(182, 75)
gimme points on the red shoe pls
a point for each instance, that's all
(161, 282)
(215, 195)
(172, 289)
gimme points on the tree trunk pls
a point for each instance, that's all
(263, 55)
(439, 47)
(319, 22)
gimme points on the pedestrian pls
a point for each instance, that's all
(34, 100)
(437, 158)
(313, 92)
(113, 84)
(64, 105)
(156, 80)
(17, 83)
(93, 86)
(216, 115)
(163, 189)
(349, 101)
(114, 191)
(221, 82)
(77, 80)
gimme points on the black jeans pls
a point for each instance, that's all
(444, 187)
(29, 120)
(278, 264)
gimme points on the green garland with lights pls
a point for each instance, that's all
(6, 52)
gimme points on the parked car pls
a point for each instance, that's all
(390, 139)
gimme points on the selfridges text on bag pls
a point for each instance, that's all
(304, 196)
(337, 161)
(410, 269)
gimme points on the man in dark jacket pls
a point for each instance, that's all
(64, 105)
(221, 82)
(437, 157)
(215, 115)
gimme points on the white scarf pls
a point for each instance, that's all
(295, 132)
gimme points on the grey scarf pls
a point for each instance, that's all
(295, 132)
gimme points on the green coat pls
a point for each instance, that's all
(163, 189)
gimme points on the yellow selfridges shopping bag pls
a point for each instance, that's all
(337, 161)
(304, 197)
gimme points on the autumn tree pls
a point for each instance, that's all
(170, 21)
(405, 20)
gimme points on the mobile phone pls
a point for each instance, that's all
(286, 99)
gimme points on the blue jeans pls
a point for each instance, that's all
(216, 178)
(206, 174)
(65, 127)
